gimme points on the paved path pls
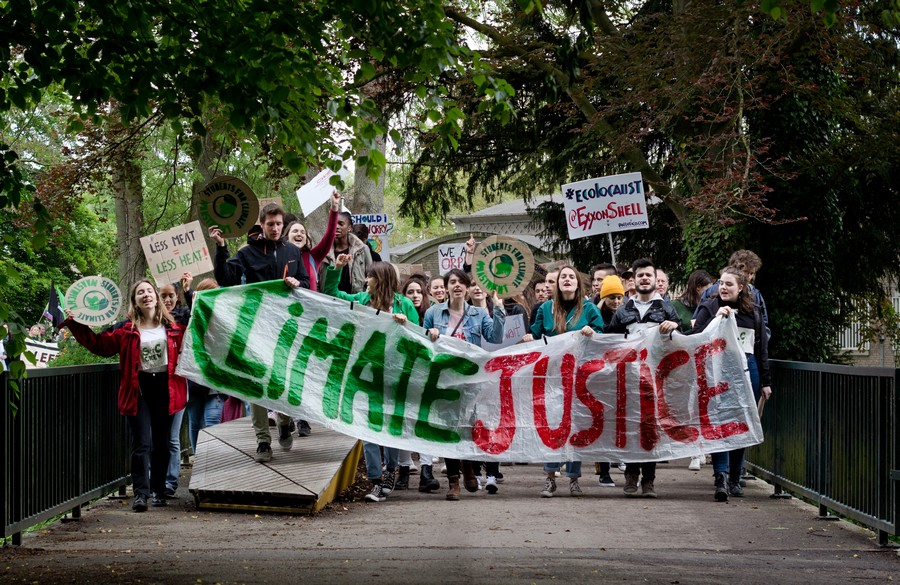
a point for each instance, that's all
(512, 537)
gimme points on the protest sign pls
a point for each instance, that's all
(513, 332)
(605, 204)
(44, 352)
(405, 270)
(229, 203)
(263, 201)
(316, 192)
(379, 228)
(94, 300)
(647, 397)
(171, 252)
(503, 265)
(451, 256)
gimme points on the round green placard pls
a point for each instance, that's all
(94, 300)
(229, 203)
(503, 265)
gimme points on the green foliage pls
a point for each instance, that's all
(297, 86)
(73, 353)
(78, 247)
(777, 135)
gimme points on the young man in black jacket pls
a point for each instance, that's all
(643, 310)
(265, 257)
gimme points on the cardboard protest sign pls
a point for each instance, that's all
(513, 332)
(405, 270)
(316, 192)
(503, 265)
(605, 204)
(44, 353)
(379, 228)
(229, 203)
(263, 201)
(451, 256)
(94, 300)
(169, 253)
(647, 397)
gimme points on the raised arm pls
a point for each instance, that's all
(105, 344)
(327, 242)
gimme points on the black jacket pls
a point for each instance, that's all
(627, 314)
(260, 260)
(706, 312)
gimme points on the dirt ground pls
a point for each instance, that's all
(514, 536)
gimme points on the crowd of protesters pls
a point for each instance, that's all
(608, 299)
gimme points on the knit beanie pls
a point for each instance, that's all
(612, 285)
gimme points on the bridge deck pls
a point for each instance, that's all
(300, 481)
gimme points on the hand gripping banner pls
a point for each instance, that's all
(646, 397)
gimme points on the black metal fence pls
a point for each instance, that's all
(832, 437)
(64, 443)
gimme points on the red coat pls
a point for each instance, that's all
(126, 341)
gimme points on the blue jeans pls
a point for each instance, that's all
(204, 409)
(372, 452)
(573, 468)
(732, 461)
(195, 406)
(174, 451)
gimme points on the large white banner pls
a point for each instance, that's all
(605, 204)
(646, 397)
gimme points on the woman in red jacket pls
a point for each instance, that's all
(150, 393)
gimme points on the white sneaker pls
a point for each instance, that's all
(695, 464)
(621, 467)
(490, 485)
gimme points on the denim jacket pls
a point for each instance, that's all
(476, 322)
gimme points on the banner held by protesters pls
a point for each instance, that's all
(646, 397)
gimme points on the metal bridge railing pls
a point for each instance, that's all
(831, 436)
(65, 445)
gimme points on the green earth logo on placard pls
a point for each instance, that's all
(501, 266)
(225, 206)
(95, 301)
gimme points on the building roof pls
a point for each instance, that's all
(516, 207)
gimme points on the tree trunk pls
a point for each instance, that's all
(207, 165)
(368, 195)
(129, 197)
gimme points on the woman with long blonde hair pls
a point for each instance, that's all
(150, 393)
